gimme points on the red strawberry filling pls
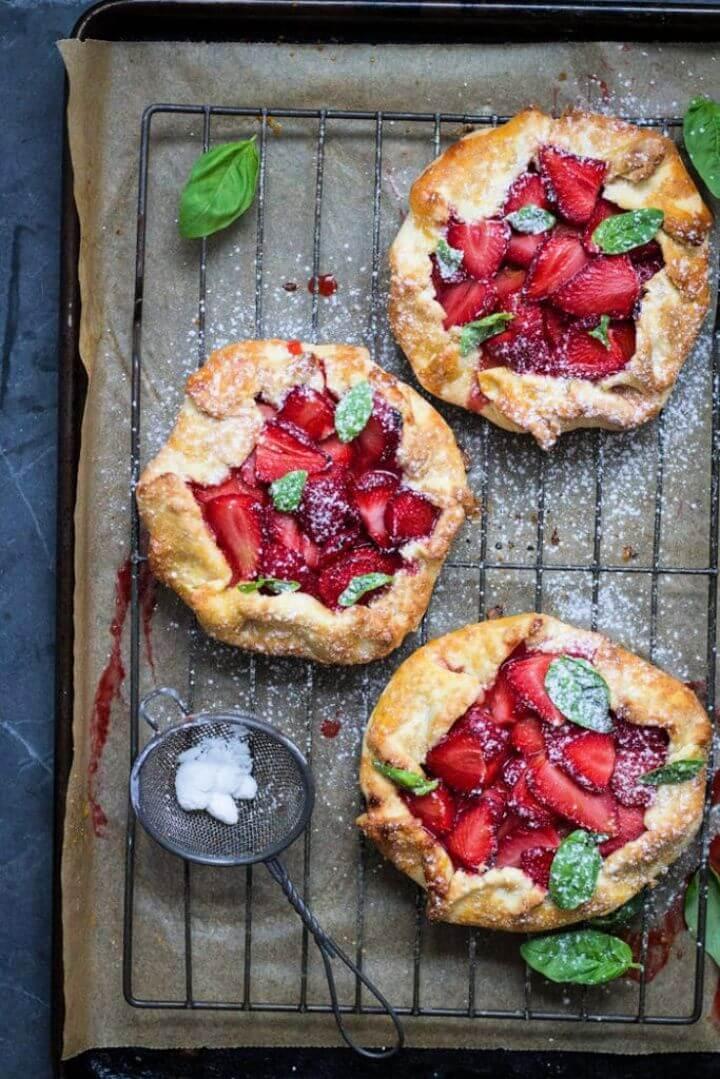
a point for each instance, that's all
(558, 284)
(516, 776)
(351, 518)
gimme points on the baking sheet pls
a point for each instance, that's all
(110, 85)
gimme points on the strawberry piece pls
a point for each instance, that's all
(435, 810)
(349, 538)
(341, 453)
(525, 805)
(247, 470)
(555, 326)
(286, 565)
(371, 495)
(483, 245)
(493, 738)
(467, 301)
(283, 449)
(553, 788)
(499, 700)
(522, 346)
(651, 741)
(608, 285)
(590, 759)
(409, 516)
(473, 840)
(477, 400)
(527, 190)
(325, 508)
(536, 862)
(622, 335)
(575, 181)
(629, 766)
(377, 443)
(601, 211)
(312, 411)
(508, 282)
(557, 739)
(631, 824)
(233, 485)
(527, 678)
(441, 284)
(520, 838)
(459, 760)
(334, 579)
(522, 249)
(511, 771)
(237, 523)
(560, 258)
(647, 260)
(282, 528)
(527, 737)
(583, 356)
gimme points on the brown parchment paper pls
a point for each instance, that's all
(110, 85)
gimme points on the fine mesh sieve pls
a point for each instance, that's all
(267, 824)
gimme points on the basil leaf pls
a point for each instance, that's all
(622, 232)
(582, 957)
(581, 694)
(273, 583)
(622, 916)
(287, 491)
(449, 259)
(474, 333)
(574, 870)
(677, 772)
(701, 131)
(600, 333)
(531, 219)
(220, 187)
(365, 582)
(712, 915)
(353, 411)
(409, 781)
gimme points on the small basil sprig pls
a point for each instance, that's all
(287, 491)
(600, 333)
(622, 916)
(353, 411)
(581, 694)
(623, 232)
(474, 333)
(582, 957)
(409, 781)
(712, 912)
(275, 584)
(360, 585)
(574, 870)
(677, 772)
(449, 259)
(701, 131)
(532, 219)
(221, 186)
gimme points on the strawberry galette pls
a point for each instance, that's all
(304, 502)
(529, 775)
(552, 274)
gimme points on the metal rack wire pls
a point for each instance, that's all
(594, 569)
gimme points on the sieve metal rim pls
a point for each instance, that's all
(241, 719)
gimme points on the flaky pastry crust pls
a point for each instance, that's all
(436, 685)
(216, 430)
(471, 179)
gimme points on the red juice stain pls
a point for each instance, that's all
(290, 286)
(603, 87)
(660, 941)
(330, 727)
(294, 347)
(715, 789)
(326, 284)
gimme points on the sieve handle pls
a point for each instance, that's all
(161, 691)
(329, 950)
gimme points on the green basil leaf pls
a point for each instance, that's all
(581, 694)
(221, 186)
(677, 772)
(622, 916)
(600, 333)
(353, 411)
(622, 232)
(574, 870)
(273, 583)
(701, 131)
(365, 582)
(474, 333)
(449, 259)
(287, 491)
(582, 957)
(712, 912)
(409, 781)
(531, 219)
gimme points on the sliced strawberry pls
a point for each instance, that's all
(601, 211)
(312, 411)
(520, 839)
(377, 443)
(622, 335)
(459, 759)
(590, 759)
(608, 285)
(410, 516)
(630, 764)
(350, 538)
(467, 301)
(494, 739)
(284, 449)
(536, 862)
(310, 551)
(500, 702)
(557, 739)
(435, 810)
(236, 521)
(575, 181)
(525, 805)
(651, 741)
(473, 840)
(483, 245)
(527, 678)
(556, 325)
(325, 508)
(508, 282)
(286, 565)
(522, 346)
(511, 770)
(560, 258)
(233, 485)
(371, 494)
(558, 792)
(527, 190)
(282, 528)
(341, 453)
(582, 356)
(647, 260)
(522, 249)
(442, 281)
(527, 737)
(334, 579)
(631, 824)
(247, 470)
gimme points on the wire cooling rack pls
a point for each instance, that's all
(593, 569)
